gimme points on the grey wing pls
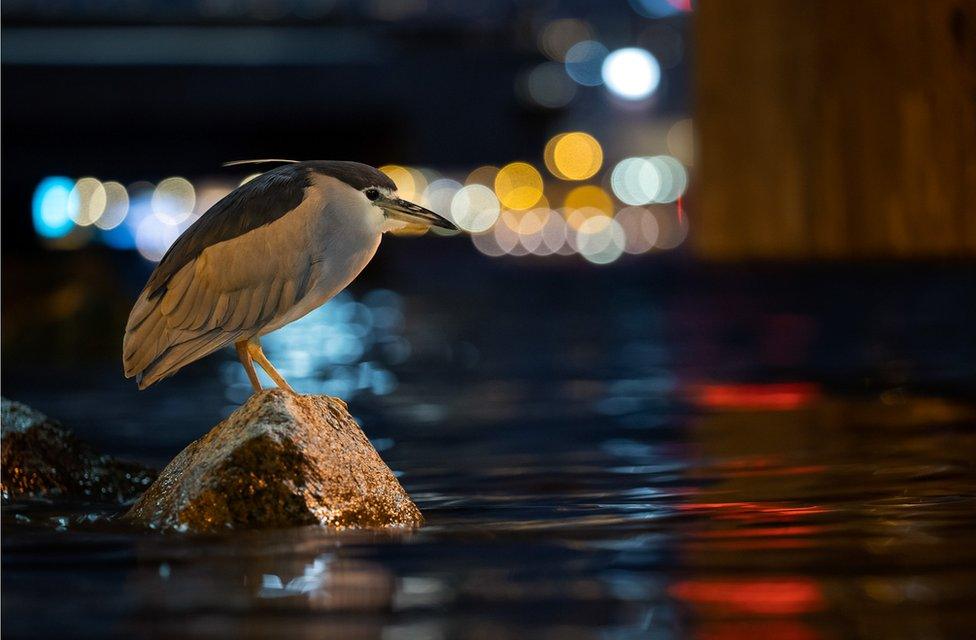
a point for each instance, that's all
(229, 292)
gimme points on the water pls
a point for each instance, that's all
(714, 455)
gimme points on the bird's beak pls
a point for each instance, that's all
(399, 209)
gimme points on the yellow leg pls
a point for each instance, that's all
(245, 357)
(254, 350)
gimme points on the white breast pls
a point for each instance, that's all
(340, 237)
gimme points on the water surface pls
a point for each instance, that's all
(710, 455)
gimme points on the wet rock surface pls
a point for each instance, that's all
(39, 458)
(280, 460)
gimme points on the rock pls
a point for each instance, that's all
(280, 460)
(41, 459)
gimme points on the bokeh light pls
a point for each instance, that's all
(87, 201)
(637, 181)
(438, 195)
(584, 62)
(681, 141)
(486, 244)
(173, 200)
(660, 8)
(116, 206)
(554, 233)
(154, 236)
(631, 73)
(674, 178)
(547, 85)
(508, 240)
(640, 229)
(50, 207)
(410, 183)
(518, 186)
(401, 177)
(573, 156)
(673, 227)
(589, 196)
(600, 239)
(505, 210)
(575, 219)
(484, 175)
(475, 208)
(558, 36)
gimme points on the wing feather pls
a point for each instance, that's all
(242, 304)
(229, 292)
(220, 312)
(179, 355)
(258, 296)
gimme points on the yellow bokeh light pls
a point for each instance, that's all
(400, 176)
(518, 186)
(573, 156)
(406, 180)
(549, 154)
(589, 196)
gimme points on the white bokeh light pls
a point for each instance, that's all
(154, 237)
(173, 200)
(631, 73)
(600, 239)
(116, 206)
(475, 208)
(86, 202)
(635, 181)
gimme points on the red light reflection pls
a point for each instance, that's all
(769, 596)
(782, 396)
(752, 511)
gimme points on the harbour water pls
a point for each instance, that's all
(712, 454)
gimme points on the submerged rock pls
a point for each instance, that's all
(280, 460)
(41, 459)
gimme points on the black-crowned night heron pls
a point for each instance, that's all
(272, 250)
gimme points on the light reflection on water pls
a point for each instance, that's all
(344, 348)
(577, 482)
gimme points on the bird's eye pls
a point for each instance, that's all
(372, 194)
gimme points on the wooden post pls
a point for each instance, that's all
(835, 129)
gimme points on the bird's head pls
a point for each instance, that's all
(380, 191)
(395, 208)
(377, 188)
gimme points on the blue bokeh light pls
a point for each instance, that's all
(118, 237)
(50, 207)
(584, 61)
